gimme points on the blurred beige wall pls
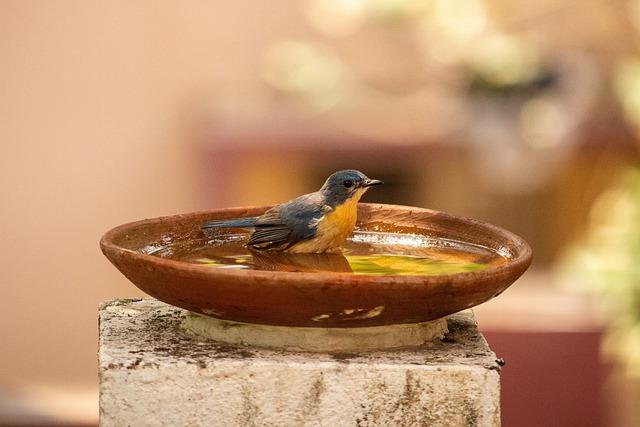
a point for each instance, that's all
(99, 105)
(92, 95)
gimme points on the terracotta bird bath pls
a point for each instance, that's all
(324, 299)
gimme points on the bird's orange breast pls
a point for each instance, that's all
(332, 230)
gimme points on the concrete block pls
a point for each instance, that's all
(154, 373)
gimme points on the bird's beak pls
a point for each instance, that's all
(371, 182)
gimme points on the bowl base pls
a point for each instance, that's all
(315, 339)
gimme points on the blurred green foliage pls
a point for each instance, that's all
(607, 264)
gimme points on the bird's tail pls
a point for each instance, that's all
(230, 223)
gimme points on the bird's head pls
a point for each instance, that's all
(346, 184)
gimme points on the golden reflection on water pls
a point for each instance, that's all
(366, 253)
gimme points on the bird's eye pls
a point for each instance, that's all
(348, 183)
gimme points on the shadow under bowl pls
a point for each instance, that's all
(316, 299)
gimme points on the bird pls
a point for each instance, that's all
(317, 222)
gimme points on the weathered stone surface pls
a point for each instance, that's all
(154, 373)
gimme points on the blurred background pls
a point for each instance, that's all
(524, 114)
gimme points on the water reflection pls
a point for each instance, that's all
(369, 253)
(274, 261)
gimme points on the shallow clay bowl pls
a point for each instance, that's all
(316, 299)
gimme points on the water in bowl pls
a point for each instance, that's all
(365, 253)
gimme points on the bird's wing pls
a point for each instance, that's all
(271, 236)
(289, 223)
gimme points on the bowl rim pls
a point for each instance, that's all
(519, 263)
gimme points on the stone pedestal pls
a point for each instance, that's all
(153, 372)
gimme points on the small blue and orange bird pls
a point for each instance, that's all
(314, 223)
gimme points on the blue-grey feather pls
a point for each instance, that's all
(290, 222)
(230, 223)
